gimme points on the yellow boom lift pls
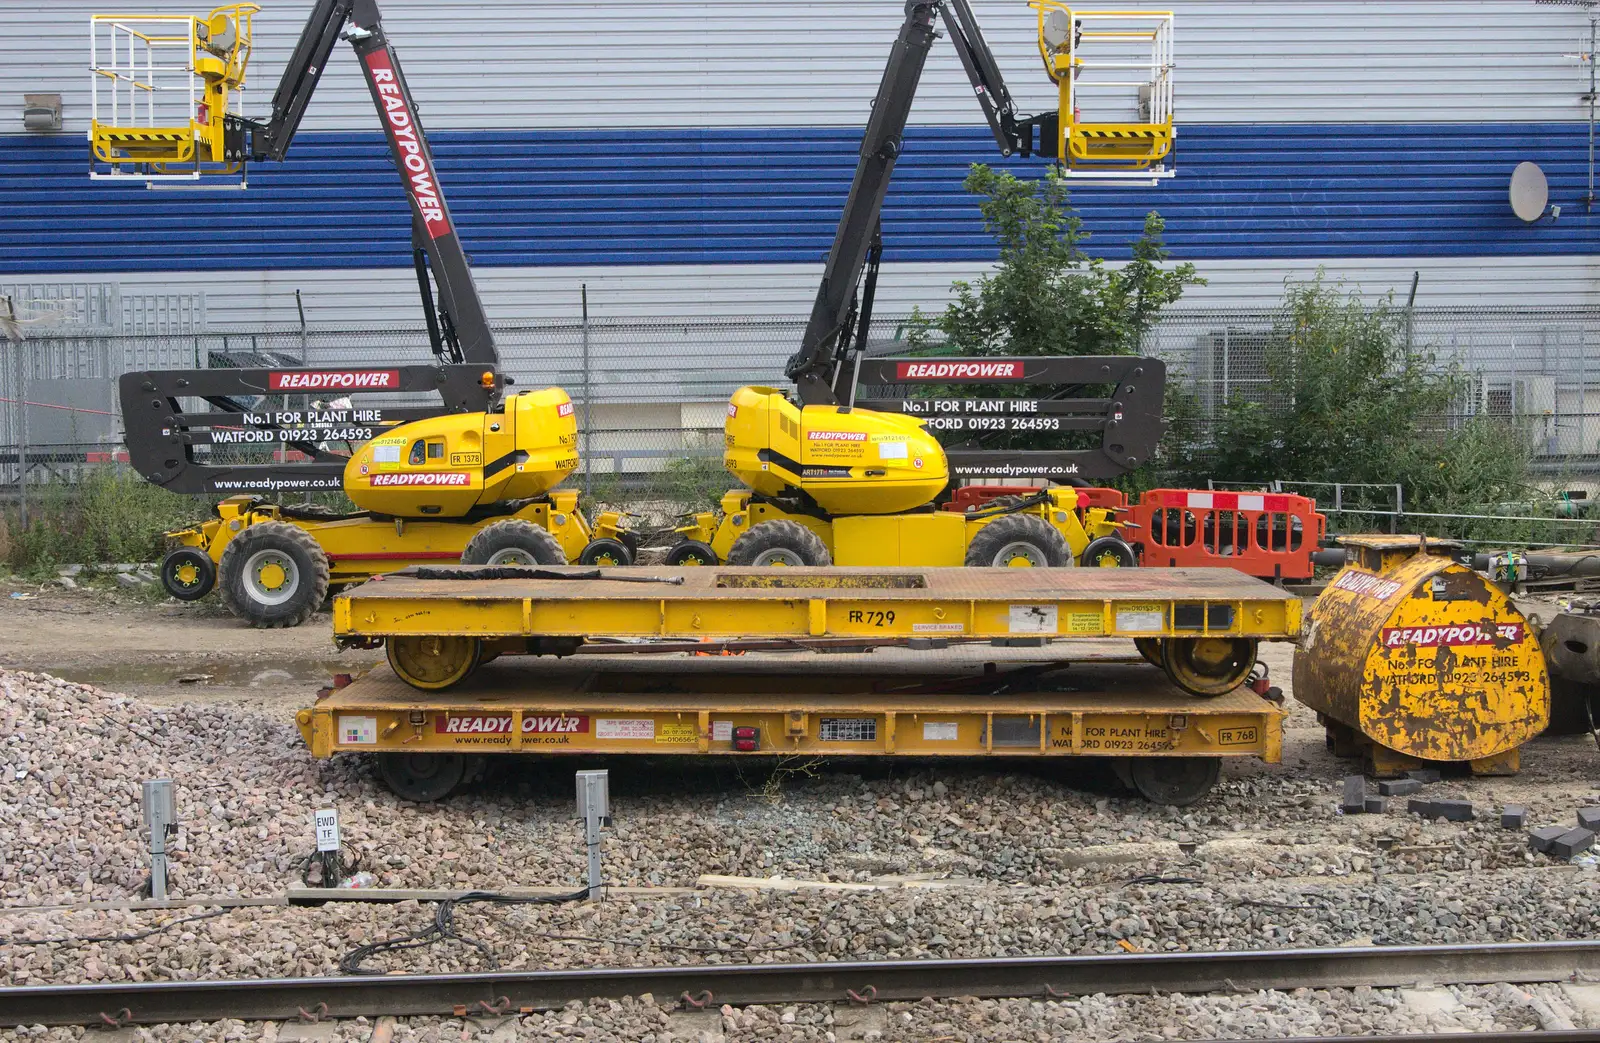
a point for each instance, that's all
(829, 482)
(476, 485)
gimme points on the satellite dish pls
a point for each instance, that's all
(1530, 192)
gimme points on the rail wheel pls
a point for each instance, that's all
(513, 542)
(1018, 541)
(1175, 781)
(779, 542)
(1208, 666)
(690, 552)
(1109, 552)
(1150, 649)
(274, 575)
(607, 552)
(422, 777)
(433, 662)
(188, 574)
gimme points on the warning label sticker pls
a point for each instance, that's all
(679, 732)
(1141, 618)
(938, 628)
(619, 728)
(940, 731)
(1083, 623)
(358, 731)
(1032, 619)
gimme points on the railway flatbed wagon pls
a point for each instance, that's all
(438, 625)
(963, 701)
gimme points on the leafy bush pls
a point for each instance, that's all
(1046, 296)
(111, 514)
(1349, 399)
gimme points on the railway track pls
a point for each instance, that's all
(856, 982)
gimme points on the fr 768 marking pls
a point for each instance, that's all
(872, 617)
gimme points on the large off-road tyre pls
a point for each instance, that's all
(513, 542)
(780, 542)
(690, 552)
(1018, 541)
(606, 551)
(1109, 552)
(188, 574)
(274, 575)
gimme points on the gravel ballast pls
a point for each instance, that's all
(1015, 860)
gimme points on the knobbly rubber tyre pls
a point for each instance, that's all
(780, 542)
(606, 551)
(513, 542)
(186, 561)
(1016, 537)
(1109, 552)
(259, 596)
(690, 553)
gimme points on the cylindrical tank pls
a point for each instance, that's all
(1421, 655)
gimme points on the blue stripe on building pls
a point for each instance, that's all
(755, 196)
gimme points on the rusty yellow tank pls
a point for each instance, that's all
(1410, 657)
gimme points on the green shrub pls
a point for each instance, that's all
(111, 514)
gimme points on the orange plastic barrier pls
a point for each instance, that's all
(1267, 535)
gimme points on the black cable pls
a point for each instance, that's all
(329, 868)
(443, 928)
(100, 939)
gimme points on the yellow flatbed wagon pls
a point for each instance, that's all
(1201, 626)
(962, 701)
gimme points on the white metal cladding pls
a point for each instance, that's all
(350, 298)
(546, 63)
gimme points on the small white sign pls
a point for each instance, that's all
(721, 731)
(358, 731)
(1033, 619)
(385, 454)
(938, 628)
(939, 731)
(1134, 620)
(891, 450)
(326, 821)
(616, 728)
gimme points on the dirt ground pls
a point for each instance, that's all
(168, 652)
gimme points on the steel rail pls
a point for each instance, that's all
(742, 984)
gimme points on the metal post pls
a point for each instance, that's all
(1411, 308)
(1594, 20)
(299, 305)
(22, 433)
(594, 807)
(161, 822)
(588, 397)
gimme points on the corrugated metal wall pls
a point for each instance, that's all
(717, 63)
(726, 199)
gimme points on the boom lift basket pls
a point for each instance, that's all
(165, 94)
(1114, 73)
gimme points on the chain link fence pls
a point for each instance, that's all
(651, 394)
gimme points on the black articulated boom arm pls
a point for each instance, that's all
(274, 400)
(823, 368)
(460, 329)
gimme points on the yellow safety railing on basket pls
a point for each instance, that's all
(163, 90)
(1113, 70)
